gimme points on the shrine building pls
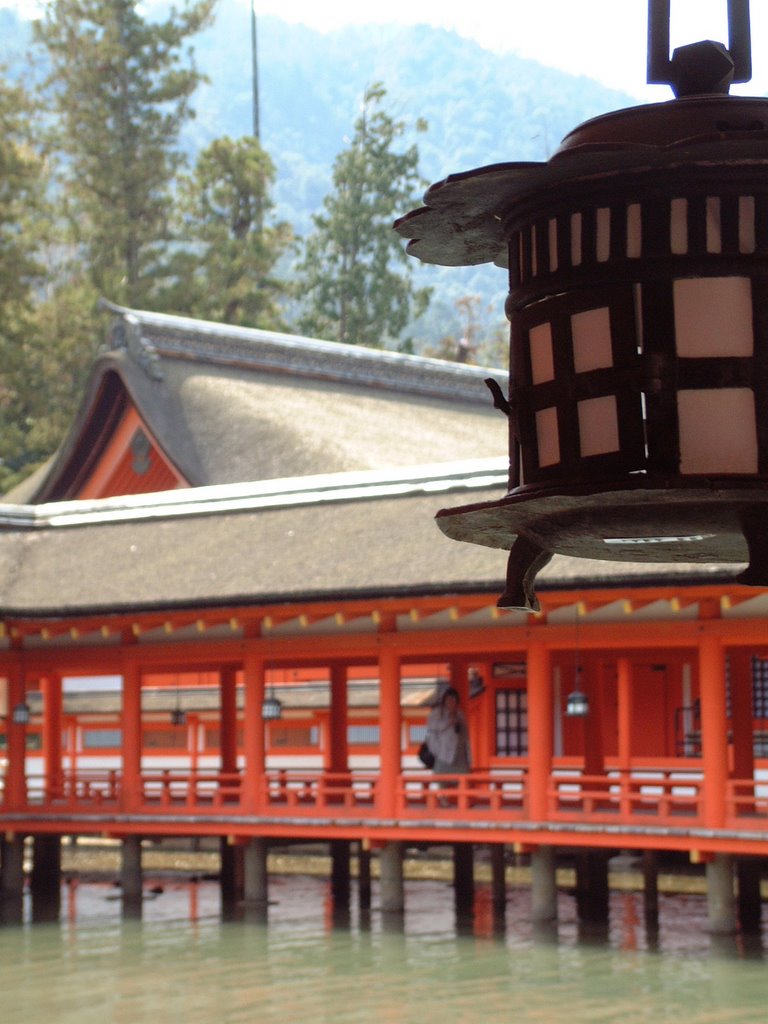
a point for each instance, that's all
(226, 610)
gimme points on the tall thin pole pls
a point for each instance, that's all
(255, 72)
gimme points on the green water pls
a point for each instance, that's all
(183, 963)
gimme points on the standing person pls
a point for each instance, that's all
(448, 736)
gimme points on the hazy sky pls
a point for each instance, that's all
(605, 39)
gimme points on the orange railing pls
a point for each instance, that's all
(746, 803)
(662, 795)
(667, 796)
(98, 788)
(85, 789)
(490, 794)
(178, 787)
(297, 791)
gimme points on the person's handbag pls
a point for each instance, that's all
(426, 756)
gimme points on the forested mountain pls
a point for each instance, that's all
(480, 107)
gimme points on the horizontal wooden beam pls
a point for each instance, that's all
(415, 608)
(527, 835)
(504, 641)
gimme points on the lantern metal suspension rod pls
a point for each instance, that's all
(577, 703)
(178, 714)
(660, 62)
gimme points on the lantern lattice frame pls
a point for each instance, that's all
(638, 397)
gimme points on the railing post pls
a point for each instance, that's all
(714, 738)
(540, 729)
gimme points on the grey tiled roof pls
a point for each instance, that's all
(331, 538)
(154, 338)
(317, 472)
(232, 404)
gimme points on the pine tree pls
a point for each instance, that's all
(21, 212)
(120, 87)
(20, 201)
(225, 267)
(355, 275)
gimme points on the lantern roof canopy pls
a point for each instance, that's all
(466, 216)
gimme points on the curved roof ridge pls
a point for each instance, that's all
(166, 335)
(306, 490)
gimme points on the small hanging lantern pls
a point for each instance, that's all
(271, 709)
(638, 392)
(178, 716)
(577, 704)
(21, 713)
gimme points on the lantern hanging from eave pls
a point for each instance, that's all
(638, 303)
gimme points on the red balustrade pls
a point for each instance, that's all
(661, 795)
(482, 794)
(653, 796)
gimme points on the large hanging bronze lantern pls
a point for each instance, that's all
(638, 303)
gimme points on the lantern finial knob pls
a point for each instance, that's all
(700, 68)
(704, 68)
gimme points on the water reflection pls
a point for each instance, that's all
(308, 957)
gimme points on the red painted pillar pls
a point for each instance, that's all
(255, 749)
(624, 741)
(15, 775)
(624, 687)
(714, 729)
(483, 738)
(70, 738)
(459, 678)
(740, 659)
(594, 753)
(193, 739)
(53, 729)
(592, 684)
(337, 759)
(540, 729)
(389, 737)
(131, 790)
(228, 719)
